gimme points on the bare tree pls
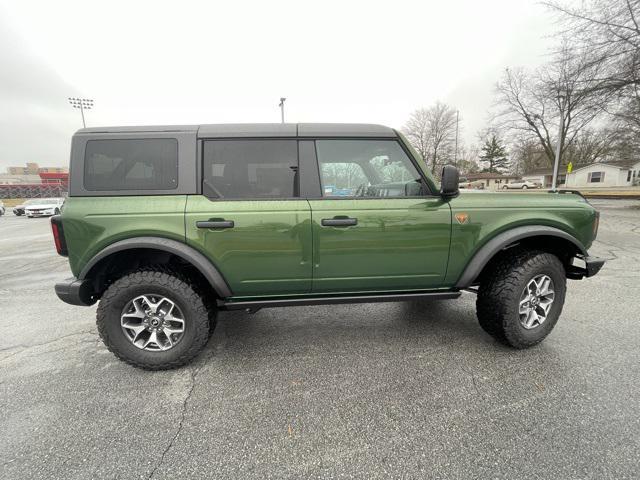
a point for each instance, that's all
(608, 33)
(526, 154)
(590, 146)
(468, 158)
(431, 131)
(559, 93)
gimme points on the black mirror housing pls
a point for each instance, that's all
(449, 186)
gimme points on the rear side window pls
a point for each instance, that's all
(135, 164)
(250, 168)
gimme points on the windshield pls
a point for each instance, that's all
(421, 162)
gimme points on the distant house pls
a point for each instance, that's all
(544, 176)
(605, 174)
(492, 181)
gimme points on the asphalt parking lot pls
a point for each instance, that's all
(399, 390)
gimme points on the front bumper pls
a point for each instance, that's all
(40, 213)
(75, 292)
(592, 266)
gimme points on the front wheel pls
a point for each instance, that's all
(524, 187)
(153, 319)
(521, 297)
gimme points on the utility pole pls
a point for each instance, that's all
(281, 105)
(82, 104)
(455, 154)
(556, 163)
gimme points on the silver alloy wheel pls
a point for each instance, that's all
(535, 301)
(152, 322)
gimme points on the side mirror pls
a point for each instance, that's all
(449, 186)
(413, 189)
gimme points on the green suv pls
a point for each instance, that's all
(165, 226)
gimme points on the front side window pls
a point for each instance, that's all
(250, 168)
(132, 164)
(596, 177)
(366, 168)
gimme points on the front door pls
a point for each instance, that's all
(375, 227)
(249, 220)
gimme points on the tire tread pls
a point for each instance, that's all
(168, 278)
(502, 285)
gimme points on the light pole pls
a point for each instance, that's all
(556, 163)
(455, 154)
(82, 104)
(281, 105)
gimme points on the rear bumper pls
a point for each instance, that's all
(75, 292)
(592, 267)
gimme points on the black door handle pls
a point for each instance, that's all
(339, 222)
(215, 224)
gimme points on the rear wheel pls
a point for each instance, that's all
(154, 319)
(504, 187)
(520, 299)
(524, 187)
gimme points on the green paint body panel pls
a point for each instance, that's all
(267, 252)
(93, 223)
(398, 243)
(493, 213)
(280, 248)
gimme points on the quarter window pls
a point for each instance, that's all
(250, 168)
(366, 168)
(140, 164)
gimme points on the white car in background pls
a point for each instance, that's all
(521, 184)
(1, 208)
(43, 207)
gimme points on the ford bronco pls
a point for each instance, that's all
(165, 226)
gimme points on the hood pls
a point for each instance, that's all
(516, 199)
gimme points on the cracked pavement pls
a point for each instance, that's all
(400, 390)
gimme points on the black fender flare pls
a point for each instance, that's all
(182, 250)
(504, 239)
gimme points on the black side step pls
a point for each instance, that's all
(255, 305)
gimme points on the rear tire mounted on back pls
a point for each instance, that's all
(513, 294)
(131, 295)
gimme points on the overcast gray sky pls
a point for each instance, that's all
(184, 62)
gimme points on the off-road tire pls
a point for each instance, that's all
(198, 313)
(499, 296)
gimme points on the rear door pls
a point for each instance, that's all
(376, 227)
(249, 220)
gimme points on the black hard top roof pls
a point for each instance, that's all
(226, 130)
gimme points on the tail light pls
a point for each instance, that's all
(596, 224)
(58, 235)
